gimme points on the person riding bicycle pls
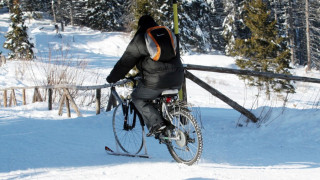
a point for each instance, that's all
(156, 76)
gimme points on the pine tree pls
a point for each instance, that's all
(197, 26)
(17, 38)
(264, 51)
(215, 25)
(35, 5)
(315, 33)
(145, 7)
(165, 13)
(192, 32)
(105, 15)
(233, 25)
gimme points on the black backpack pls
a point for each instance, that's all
(161, 43)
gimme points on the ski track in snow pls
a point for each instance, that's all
(38, 144)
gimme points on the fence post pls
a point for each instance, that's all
(36, 96)
(5, 98)
(73, 104)
(24, 102)
(68, 107)
(112, 102)
(62, 99)
(13, 97)
(50, 99)
(98, 100)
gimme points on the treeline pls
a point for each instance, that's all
(205, 25)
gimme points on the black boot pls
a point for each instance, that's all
(169, 126)
(156, 128)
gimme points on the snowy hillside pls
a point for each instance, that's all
(38, 144)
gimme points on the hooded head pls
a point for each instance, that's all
(145, 22)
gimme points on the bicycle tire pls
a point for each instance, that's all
(130, 141)
(181, 150)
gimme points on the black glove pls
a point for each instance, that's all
(109, 80)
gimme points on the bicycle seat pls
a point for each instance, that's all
(170, 92)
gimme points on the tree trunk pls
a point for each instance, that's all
(60, 15)
(53, 12)
(308, 36)
(71, 13)
(291, 33)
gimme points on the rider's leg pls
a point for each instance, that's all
(141, 97)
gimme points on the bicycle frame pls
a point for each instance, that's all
(116, 95)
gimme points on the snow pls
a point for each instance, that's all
(36, 143)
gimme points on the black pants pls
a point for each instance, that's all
(141, 97)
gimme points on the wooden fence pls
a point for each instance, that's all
(67, 99)
(229, 101)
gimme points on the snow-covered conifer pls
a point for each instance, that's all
(17, 37)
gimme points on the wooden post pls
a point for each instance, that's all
(61, 103)
(50, 99)
(5, 98)
(222, 97)
(36, 96)
(39, 98)
(3, 60)
(68, 107)
(10, 100)
(24, 102)
(98, 100)
(73, 104)
(183, 91)
(14, 99)
(112, 102)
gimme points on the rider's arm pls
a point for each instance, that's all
(133, 54)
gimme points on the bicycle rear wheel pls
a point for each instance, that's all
(128, 132)
(188, 147)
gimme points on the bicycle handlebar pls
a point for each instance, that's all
(125, 80)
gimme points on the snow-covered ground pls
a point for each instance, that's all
(38, 144)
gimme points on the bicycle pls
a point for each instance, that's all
(184, 142)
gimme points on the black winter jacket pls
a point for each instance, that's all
(155, 74)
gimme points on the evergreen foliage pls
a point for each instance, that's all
(35, 5)
(315, 33)
(145, 7)
(264, 51)
(105, 15)
(195, 17)
(17, 38)
(233, 25)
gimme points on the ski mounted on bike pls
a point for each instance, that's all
(109, 151)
